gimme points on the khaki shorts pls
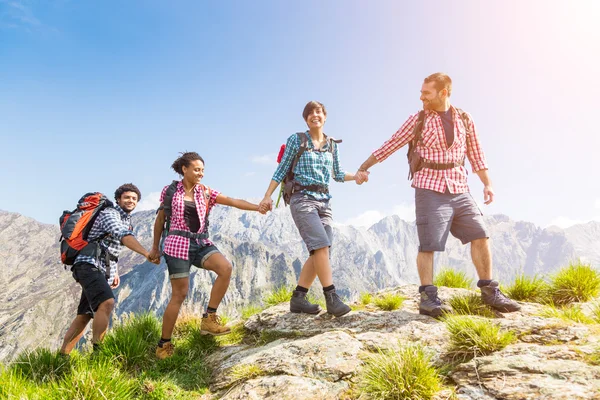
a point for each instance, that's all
(313, 219)
(441, 213)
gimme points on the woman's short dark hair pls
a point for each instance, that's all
(184, 161)
(310, 106)
(127, 187)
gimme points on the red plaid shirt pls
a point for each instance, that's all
(433, 148)
(179, 246)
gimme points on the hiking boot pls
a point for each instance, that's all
(431, 304)
(300, 304)
(335, 305)
(212, 325)
(493, 297)
(165, 351)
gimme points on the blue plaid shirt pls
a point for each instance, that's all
(313, 167)
(117, 224)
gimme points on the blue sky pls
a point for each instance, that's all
(98, 93)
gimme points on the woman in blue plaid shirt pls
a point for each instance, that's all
(310, 205)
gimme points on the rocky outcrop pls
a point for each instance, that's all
(321, 356)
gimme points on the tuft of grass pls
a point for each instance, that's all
(13, 385)
(472, 337)
(244, 372)
(389, 301)
(282, 294)
(453, 279)
(41, 365)
(250, 310)
(571, 312)
(366, 298)
(268, 336)
(237, 336)
(470, 304)
(97, 379)
(526, 288)
(402, 374)
(594, 358)
(159, 389)
(576, 283)
(132, 342)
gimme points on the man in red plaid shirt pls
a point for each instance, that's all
(442, 199)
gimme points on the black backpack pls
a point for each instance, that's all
(288, 180)
(167, 207)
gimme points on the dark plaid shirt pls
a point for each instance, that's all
(117, 224)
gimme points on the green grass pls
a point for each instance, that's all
(453, 279)
(576, 283)
(472, 337)
(389, 301)
(366, 298)
(41, 365)
(571, 312)
(133, 342)
(470, 304)
(268, 336)
(123, 368)
(280, 295)
(403, 374)
(526, 288)
(594, 358)
(250, 310)
(98, 379)
(244, 372)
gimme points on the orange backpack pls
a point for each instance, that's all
(75, 227)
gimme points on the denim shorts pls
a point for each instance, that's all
(313, 219)
(198, 254)
(441, 213)
(95, 288)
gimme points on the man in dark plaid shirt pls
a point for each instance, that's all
(98, 276)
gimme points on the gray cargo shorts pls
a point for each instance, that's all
(313, 219)
(440, 213)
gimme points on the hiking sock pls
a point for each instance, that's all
(483, 282)
(422, 288)
(302, 289)
(328, 288)
(210, 310)
(163, 341)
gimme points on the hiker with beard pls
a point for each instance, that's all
(440, 137)
(113, 231)
(312, 158)
(183, 217)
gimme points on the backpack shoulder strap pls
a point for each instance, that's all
(167, 205)
(466, 119)
(303, 147)
(418, 130)
(331, 141)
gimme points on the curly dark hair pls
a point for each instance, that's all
(184, 161)
(127, 187)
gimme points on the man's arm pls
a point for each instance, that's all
(488, 191)
(404, 135)
(115, 227)
(478, 162)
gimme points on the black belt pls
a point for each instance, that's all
(441, 166)
(189, 235)
(311, 188)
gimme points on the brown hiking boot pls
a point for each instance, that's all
(493, 297)
(165, 351)
(212, 325)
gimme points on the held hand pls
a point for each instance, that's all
(361, 177)
(265, 205)
(154, 256)
(116, 282)
(488, 194)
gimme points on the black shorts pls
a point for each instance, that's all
(96, 289)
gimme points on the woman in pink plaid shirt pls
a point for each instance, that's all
(187, 244)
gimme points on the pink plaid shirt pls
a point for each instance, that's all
(433, 147)
(179, 246)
